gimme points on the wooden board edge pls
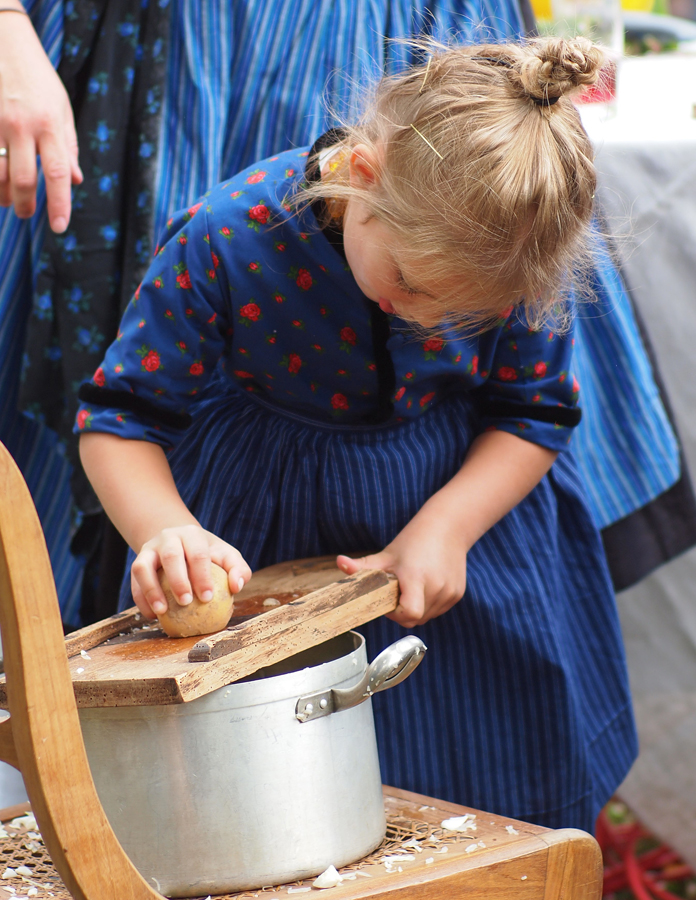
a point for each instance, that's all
(213, 646)
(220, 669)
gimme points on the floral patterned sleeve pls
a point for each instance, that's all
(171, 337)
(530, 391)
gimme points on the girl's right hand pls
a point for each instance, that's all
(185, 553)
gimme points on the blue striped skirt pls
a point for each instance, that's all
(521, 706)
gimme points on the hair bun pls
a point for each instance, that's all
(552, 67)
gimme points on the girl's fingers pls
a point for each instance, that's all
(232, 561)
(56, 165)
(411, 608)
(145, 585)
(350, 566)
(167, 554)
(140, 600)
(23, 175)
(186, 561)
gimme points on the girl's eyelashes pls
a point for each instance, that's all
(406, 288)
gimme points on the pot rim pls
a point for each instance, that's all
(344, 667)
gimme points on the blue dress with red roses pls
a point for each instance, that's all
(300, 420)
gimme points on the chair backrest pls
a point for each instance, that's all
(48, 747)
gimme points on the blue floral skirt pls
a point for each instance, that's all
(521, 706)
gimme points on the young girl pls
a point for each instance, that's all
(358, 349)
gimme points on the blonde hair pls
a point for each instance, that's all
(485, 173)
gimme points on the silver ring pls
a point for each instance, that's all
(4, 152)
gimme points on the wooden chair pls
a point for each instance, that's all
(43, 739)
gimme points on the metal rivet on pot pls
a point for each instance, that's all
(323, 703)
(309, 708)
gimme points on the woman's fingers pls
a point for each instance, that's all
(5, 199)
(22, 175)
(58, 171)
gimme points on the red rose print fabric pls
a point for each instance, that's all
(241, 281)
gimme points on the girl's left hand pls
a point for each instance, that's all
(430, 563)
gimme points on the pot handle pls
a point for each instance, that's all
(392, 666)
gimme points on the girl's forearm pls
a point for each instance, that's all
(500, 469)
(135, 486)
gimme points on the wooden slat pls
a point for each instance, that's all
(93, 635)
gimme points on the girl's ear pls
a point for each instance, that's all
(362, 167)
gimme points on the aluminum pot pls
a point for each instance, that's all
(265, 781)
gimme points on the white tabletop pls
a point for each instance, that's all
(655, 103)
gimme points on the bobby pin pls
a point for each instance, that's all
(426, 141)
(496, 60)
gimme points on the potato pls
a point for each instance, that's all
(197, 617)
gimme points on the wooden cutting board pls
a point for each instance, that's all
(127, 661)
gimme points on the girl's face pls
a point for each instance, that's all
(371, 250)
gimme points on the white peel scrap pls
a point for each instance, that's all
(25, 871)
(471, 848)
(3, 834)
(271, 601)
(27, 821)
(429, 861)
(329, 878)
(299, 890)
(399, 857)
(9, 873)
(460, 823)
(412, 845)
(511, 829)
(364, 874)
(84, 654)
(80, 670)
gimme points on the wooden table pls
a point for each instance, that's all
(518, 861)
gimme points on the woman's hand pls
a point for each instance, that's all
(430, 563)
(185, 553)
(35, 119)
